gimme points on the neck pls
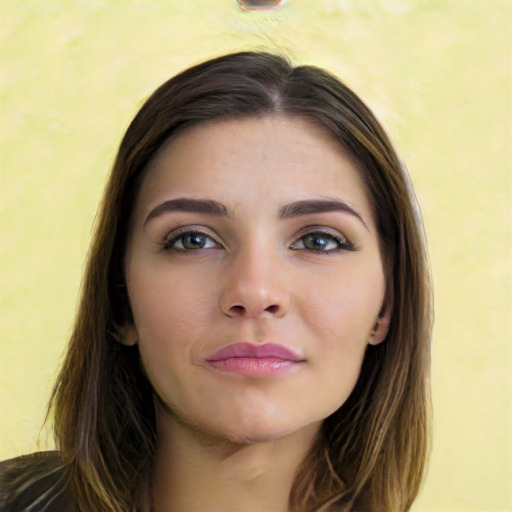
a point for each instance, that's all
(193, 472)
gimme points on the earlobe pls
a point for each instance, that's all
(381, 327)
(128, 335)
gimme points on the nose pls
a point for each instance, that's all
(256, 286)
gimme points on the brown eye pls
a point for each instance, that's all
(193, 241)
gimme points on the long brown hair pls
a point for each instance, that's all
(370, 454)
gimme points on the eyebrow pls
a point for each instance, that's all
(312, 206)
(184, 204)
(288, 211)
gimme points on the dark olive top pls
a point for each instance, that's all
(35, 483)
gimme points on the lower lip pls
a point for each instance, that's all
(255, 366)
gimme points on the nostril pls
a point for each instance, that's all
(237, 310)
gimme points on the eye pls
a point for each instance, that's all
(190, 240)
(322, 242)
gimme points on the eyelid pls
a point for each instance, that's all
(323, 230)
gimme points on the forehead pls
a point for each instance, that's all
(263, 160)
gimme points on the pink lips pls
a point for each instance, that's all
(264, 360)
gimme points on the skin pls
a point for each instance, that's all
(236, 440)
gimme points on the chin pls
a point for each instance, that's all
(252, 429)
(254, 435)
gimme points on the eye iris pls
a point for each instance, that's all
(316, 242)
(194, 241)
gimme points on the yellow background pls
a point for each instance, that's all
(437, 73)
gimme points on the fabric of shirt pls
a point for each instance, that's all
(35, 483)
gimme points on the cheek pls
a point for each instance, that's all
(171, 315)
(340, 314)
(344, 307)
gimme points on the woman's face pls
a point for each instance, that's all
(254, 277)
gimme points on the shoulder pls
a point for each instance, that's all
(35, 483)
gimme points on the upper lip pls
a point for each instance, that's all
(257, 351)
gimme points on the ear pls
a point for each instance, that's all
(128, 335)
(381, 327)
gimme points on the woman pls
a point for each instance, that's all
(253, 331)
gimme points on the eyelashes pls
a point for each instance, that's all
(190, 240)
